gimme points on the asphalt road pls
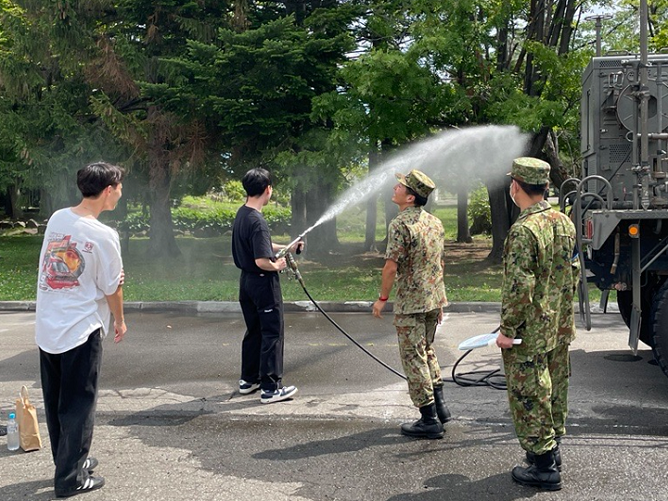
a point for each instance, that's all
(171, 425)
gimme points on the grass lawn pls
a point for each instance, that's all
(205, 272)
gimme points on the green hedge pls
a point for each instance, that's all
(207, 223)
(479, 212)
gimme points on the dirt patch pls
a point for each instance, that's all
(353, 254)
(478, 250)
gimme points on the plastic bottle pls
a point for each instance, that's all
(12, 433)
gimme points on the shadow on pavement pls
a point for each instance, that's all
(28, 490)
(498, 487)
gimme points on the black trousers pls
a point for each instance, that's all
(69, 386)
(262, 347)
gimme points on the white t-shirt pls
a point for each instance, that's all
(80, 264)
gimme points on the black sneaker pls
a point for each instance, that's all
(278, 395)
(90, 464)
(246, 388)
(90, 484)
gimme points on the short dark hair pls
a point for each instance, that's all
(420, 201)
(95, 177)
(255, 181)
(532, 189)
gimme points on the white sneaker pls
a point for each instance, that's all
(245, 387)
(278, 395)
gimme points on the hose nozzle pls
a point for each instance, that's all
(286, 250)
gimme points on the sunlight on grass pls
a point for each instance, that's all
(206, 272)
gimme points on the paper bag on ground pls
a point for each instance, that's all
(26, 417)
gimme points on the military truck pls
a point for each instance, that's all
(620, 202)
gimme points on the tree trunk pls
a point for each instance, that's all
(463, 232)
(323, 238)
(14, 201)
(538, 142)
(503, 212)
(298, 222)
(391, 211)
(502, 58)
(6, 203)
(372, 204)
(558, 172)
(162, 242)
(120, 214)
(45, 203)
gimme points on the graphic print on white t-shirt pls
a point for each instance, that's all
(62, 265)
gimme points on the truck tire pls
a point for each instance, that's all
(660, 327)
(625, 302)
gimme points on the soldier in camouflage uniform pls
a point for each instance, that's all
(539, 282)
(415, 257)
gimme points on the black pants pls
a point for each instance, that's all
(262, 346)
(69, 385)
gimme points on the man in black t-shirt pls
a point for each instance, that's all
(260, 293)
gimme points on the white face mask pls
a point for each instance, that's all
(510, 191)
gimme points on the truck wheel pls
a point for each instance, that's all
(625, 303)
(660, 327)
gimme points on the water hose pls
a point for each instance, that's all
(293, 266)
(475, 378)
(492, 378)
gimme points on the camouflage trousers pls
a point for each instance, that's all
(415, 334)
(538, 396)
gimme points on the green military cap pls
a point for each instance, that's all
(417, 181)
(530, 170)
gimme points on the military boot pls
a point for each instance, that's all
(443, 413)
(428, 426)
(542, 474)
(531, 457)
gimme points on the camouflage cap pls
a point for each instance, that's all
(530, 170)
(417, 181)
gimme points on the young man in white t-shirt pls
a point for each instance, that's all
(79, 286)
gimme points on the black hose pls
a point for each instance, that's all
(492, 378)
(488, 378)
(349, 337)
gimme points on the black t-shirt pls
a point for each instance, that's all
(250, 240)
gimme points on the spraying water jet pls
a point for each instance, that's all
(455, 156)
(434, 156)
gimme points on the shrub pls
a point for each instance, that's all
(234, 191)
(278, 218)
(479, 212)
(136, 222)
(208, 221)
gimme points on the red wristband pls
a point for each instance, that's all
(381, 298)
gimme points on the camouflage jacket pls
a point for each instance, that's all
(416, 242)
(540, 275)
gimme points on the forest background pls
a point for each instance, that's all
(187, 95)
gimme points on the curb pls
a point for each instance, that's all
(195, 307)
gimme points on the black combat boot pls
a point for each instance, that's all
(443, 413)
(531, 457)
(428, 426)
(543, 473)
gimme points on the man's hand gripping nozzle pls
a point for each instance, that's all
(286, 250)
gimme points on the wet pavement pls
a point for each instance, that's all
(171, 424)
